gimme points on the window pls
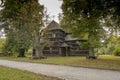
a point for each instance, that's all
(54, 35)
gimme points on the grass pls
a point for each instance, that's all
(103, 62)
(14, 74)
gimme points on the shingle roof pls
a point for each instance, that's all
(64, 45)
(69, 38)
(54, 25)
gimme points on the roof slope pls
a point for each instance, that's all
(54, 25)
(69, 38)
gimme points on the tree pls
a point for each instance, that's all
(33, 15)
(83, 17)
(26, 19)
(88, 16)
(13, 27)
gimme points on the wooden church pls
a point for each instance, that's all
(63, 44)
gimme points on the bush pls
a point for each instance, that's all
(117, 51)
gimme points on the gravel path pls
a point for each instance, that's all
(64, 72)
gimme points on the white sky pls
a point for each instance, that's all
(53, 7)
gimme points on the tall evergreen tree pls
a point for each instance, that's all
(13, 26)
(26, 19)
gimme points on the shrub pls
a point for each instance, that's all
(117, 51)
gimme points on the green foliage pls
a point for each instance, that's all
(10, 45)
(2, 42)
(110, 46)
(14, 27)
(23, 21)
(83, 17)
(80, 20)
(83, 45)
(116, 52)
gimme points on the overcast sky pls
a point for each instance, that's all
(53, 7)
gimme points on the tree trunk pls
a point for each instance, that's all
(38, 47)
(91, 51)
(37, 53)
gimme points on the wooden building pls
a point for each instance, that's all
(63, 44)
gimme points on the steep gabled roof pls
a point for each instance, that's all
(54, 25)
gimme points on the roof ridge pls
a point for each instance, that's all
(54, 25)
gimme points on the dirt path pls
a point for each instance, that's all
(65, 72)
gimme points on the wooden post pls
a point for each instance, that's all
(66, 51)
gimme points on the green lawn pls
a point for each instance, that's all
(103, 62)
(14, 74)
